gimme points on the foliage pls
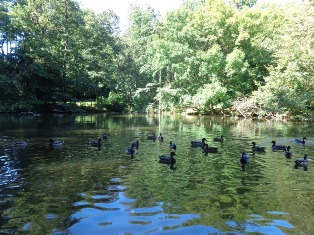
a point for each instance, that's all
(143, 99)
(207, 43)
(115, 102)
(205, 56)
(167, 98)
(60, 52)
(208, 98)
(289, 86)
(243, 3)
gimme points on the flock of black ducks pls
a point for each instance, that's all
(300, 162)
(169, 159)
(244, 158)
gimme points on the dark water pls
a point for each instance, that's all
(79, 189)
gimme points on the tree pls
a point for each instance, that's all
(208, 41)
(61, 52)
(143, 28)
(240, 4)
(289, 86)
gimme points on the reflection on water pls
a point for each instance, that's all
(79, 189)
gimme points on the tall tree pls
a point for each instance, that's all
(143, 28)
(60, 50)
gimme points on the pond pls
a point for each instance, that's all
(80, 189)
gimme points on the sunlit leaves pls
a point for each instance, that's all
(209, 97)
(243, 3)
(211, 41)
(290, 84)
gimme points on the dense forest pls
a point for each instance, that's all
(207, 57)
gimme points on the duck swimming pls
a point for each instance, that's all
(152, 137)
(55, 144)
(160, 138)
(219, 139)
(301, 162)
(105, 136)
(257, 148)
(198, 143)
(130, 150)
(302, 141)
(135, 144)
(168, 159)
(172, 145)
(277, 147)
(96, 143)
(288, 153)
(244, 160)
(207, 149)
(21, 144)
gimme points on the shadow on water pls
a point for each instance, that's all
(80, 189)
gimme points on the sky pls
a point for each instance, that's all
(121, 7)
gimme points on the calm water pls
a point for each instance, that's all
(79, 189)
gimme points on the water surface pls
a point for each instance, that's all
(79, 189)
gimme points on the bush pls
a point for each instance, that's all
(115, 102)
